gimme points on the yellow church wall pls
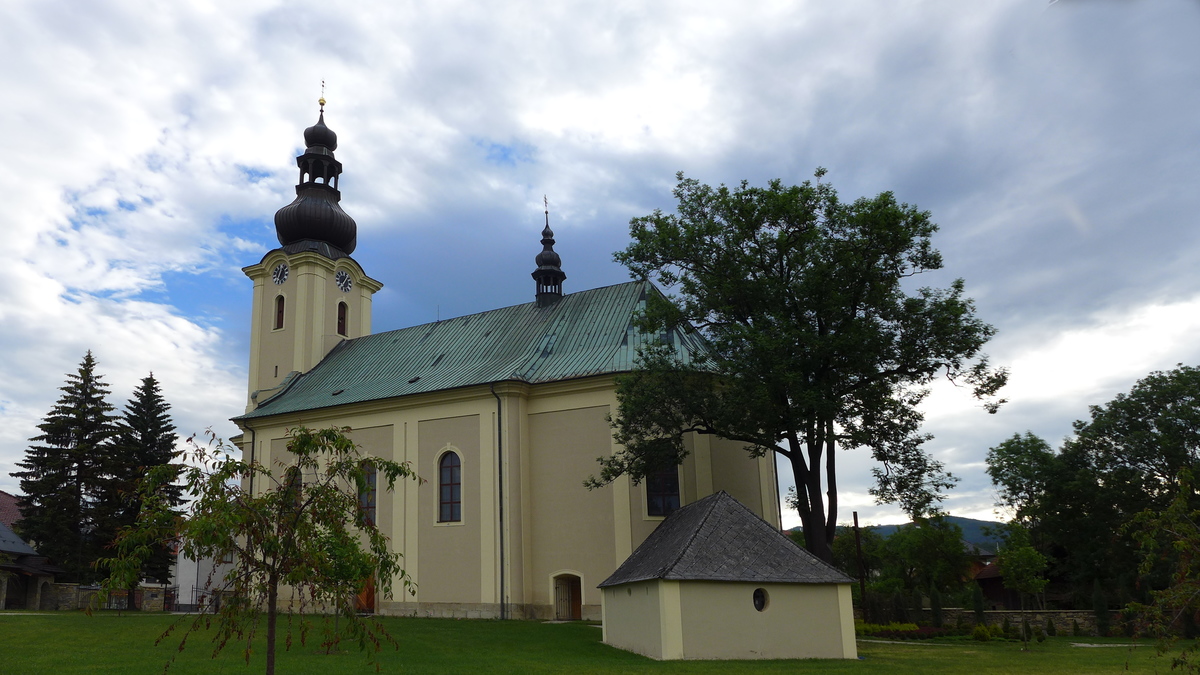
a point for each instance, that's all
(552, 435)
(449, 553)
(570, 527)
(734, 471)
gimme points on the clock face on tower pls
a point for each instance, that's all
(280, 273)
(342, 279)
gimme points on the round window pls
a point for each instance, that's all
(760, 599)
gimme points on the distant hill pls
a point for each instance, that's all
(972, 531)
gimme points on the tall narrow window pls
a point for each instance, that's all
(662, 492)
(450, 489)
(341, 327)
(278, 312)
(367, 496)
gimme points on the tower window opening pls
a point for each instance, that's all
(279, 312)
(341, 319)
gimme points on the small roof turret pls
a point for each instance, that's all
(548, 275)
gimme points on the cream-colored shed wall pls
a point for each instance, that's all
(632, 618)
(801, 621)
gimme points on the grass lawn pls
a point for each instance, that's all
(64, 643)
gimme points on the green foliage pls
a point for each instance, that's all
(1051, 629)
(300, 528)
(845, 551)
(815, 341)
(145, 439)
(64, 477)
(1076, 630)
(935, 606)
(1005, 626)
(1171, 537)
(977, 603)
(981, 633)
(1041, 636)
(864, 627)
(899, 608)
(1021, 565)
(1020, 468)
(1122, 461)
(925, 554)
(1100, 609)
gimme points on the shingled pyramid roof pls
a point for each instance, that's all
(584, 334)
(719, 539)
(11, 543)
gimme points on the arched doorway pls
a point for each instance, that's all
(568, 598)
(364, 602)
(46, 601)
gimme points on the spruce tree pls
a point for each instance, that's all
(145, 439)
(62, 476)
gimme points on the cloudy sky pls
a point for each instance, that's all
(148, 145)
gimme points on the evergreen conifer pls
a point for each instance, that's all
(62, 476)
(145, 439)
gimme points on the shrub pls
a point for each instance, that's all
(1026, 630)
(997, 631)
(899, 610)
(1075, 629)
(1100, 607)
(981, 633)
(1006, 626)
(1041, 636)
(1051, 629)
(977, 604)
(935, 606)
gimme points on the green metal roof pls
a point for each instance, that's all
(583, 334)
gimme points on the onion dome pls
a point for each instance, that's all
(319, 134)
(548, 275)
(315, 214)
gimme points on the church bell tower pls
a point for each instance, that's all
(309, 294)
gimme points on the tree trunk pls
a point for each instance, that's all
(812, 519)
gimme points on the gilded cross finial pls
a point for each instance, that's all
(322, 99)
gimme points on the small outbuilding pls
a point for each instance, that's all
(26, 578)
(715, 581)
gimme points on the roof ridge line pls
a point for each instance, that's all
(692, 538)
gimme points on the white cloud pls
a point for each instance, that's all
(147, 149)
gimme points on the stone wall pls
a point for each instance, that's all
(1062, 618)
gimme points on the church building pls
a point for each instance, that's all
(503, 413)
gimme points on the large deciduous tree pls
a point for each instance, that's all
(62, 477)
(299, 529)
(1124, 460)
(817, 339)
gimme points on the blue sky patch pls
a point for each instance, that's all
(502, 154)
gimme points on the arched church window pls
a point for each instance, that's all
(341, 319)
(367, 496)
(662, 492)
(278, 312)
(450, 488)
